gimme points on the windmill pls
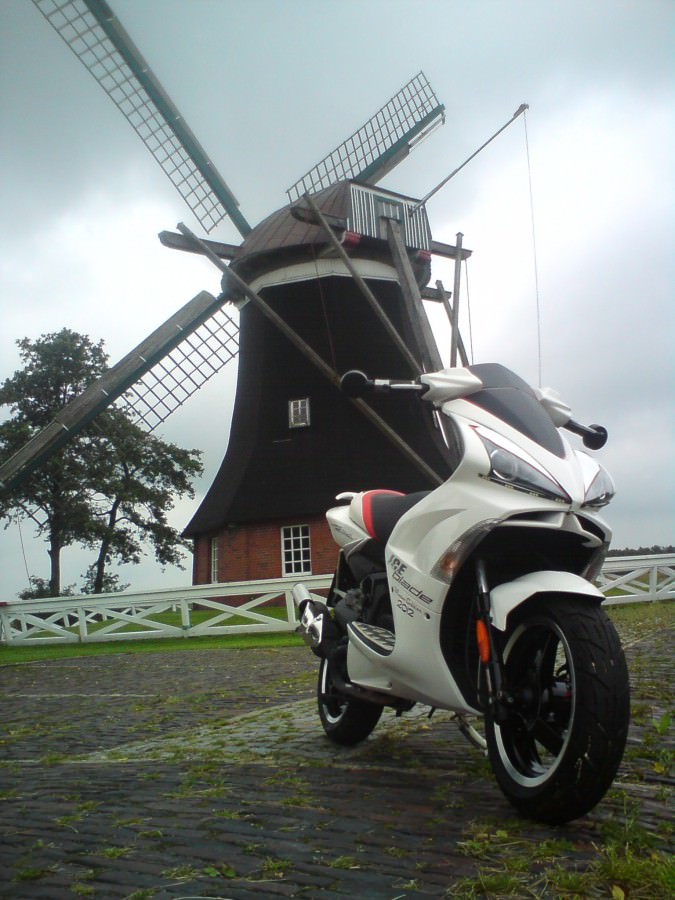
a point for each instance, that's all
(333, 280)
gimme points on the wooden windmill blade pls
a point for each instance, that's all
(95, 35)
(150, 382)
(195, 343)
(381, 143)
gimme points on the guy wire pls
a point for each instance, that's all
(534, 252)
(23, 551)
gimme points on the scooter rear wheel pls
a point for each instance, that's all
(558, 749)
(345, 720)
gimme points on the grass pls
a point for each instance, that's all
(36, 653)
(510, 862)
(640, 619)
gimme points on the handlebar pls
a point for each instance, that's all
(593, 436)
(356, 384)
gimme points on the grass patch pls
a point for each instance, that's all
(273, 867)
(640, 619)
(32, 873)
(511, 862)
(13, 655)
(344, 862)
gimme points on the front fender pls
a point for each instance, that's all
(506, 597)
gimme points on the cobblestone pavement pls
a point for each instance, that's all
(206, 774)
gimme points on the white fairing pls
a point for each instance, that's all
(343, 528)
(506, 597)
(449, 384)
(554, 405)
(446, 525)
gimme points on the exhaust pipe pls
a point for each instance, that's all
(311, 614)
(300, 596)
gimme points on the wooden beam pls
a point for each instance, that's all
(180, 242)
(449, 250)
(417, 317)
(444, 297)
(429, 293)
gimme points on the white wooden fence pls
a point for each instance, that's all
(267, 607)
(208, 609)
(630, 579)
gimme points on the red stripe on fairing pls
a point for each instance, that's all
(367, 508)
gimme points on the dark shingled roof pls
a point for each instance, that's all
(281, 231)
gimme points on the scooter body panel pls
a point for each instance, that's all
(453, 519)
(512, 594)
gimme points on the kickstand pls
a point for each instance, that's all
(470, 733)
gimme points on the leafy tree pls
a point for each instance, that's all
(39, 588)
(110, 584)
(57, 367)
(111, 487)
(138, 476)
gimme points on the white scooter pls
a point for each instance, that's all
(477, 596)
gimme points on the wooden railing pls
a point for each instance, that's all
(198, 611)
(243, 607)
(631, 579)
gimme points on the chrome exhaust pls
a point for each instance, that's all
(311, 613)
(300, 596)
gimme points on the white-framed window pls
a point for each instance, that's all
(214, 560)
(296, 551)
(298, 413)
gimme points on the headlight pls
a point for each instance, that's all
(600, 491)
(509, 469)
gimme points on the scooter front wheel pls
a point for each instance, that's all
(556, 751)
(345, 720)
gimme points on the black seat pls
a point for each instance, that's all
(386, 509)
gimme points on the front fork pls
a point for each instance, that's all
(498, 700)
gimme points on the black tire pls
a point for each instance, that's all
(558, 750)
(345, 720)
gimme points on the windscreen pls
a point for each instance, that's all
(512, 400)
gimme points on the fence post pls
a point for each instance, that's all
(82, 622)
(5, 628)
(290, 608)
(185, 623)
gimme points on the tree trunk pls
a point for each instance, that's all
(55, 558)
(105, 547)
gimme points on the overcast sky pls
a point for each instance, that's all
(269, 87)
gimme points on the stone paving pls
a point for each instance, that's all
(206, 774)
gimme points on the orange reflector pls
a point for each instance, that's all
(483, 641)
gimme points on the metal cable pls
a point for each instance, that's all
(534, 252)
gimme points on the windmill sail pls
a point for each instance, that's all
(182, 372)
(380, 144)
(159, 371)
(96, 37)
